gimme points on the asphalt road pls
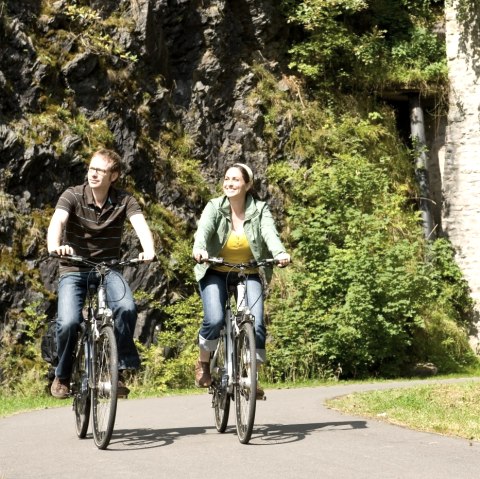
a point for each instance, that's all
(295, 436)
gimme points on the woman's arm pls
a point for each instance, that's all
(205, 230)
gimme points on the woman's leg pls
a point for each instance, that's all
(255, 303)
(213, 291)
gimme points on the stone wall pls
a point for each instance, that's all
(461, 169)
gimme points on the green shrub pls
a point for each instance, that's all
(374, 296)
(169, 363)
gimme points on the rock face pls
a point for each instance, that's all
(156, 66)
(461, 173)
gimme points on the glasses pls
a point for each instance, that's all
(98, 171)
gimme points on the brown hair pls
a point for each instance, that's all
(113, 157)
(244, 169)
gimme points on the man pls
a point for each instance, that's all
(88, 221)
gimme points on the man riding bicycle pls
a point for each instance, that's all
(89, 221)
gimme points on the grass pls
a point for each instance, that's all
(448, 409)
(19, 403)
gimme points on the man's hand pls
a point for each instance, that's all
(62, 250)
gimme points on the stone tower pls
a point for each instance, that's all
(461, 168)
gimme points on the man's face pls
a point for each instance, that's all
(99, 174)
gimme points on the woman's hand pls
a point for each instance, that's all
(283, 259)
(199, 254)
(147, 256)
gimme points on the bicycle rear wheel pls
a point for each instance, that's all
(246, 384)
(104, 393)
(81, 389)
(221, 398)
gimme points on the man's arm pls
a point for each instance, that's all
(144, 235)
(55, 233)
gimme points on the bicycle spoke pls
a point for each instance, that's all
(104, 394)
(221, 399)
(80, 391)
(246, 387)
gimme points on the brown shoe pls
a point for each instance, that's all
(122, 390)
(202, 374)
(260, 396)
(60, 388)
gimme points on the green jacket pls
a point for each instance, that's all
(215, 226)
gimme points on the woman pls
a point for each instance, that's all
(238, 228)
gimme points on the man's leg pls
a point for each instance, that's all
(120, 300)
(71, 296)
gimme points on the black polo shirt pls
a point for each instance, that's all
(91, 231)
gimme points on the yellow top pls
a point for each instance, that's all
(236, 250)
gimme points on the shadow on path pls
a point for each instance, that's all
(263, 435)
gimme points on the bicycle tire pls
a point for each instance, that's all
(246, 382)
(104, 392)
(221, 398)
(80, 389)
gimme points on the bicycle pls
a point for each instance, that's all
(94, 377)
(233, 364)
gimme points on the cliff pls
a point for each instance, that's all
(140, 76)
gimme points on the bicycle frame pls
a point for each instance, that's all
(98, 316)
(229, 331)
(233, 364)
(94, 380)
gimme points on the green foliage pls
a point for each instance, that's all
(169, 362)
(21, 363)
(94, 33)
(367, 44)
(50, 126)
(375, 298)
(367, 303)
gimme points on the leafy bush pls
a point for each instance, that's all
(363, 44)
(169, 363)
(374, 297)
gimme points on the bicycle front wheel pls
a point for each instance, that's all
(221, 398)
(246, 383)
(104, 392)
(80, 389)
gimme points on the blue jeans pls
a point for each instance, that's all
(213, 291)
(72, 291)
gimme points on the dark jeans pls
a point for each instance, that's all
(214, 290)
(72, 290)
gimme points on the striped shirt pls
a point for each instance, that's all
(91, 231)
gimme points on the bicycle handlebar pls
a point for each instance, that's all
(73, 258)
(249, 264)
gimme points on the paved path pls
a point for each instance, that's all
(295, 436)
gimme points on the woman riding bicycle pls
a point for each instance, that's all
(238, 228)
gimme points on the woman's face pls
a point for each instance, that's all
(234, 185)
